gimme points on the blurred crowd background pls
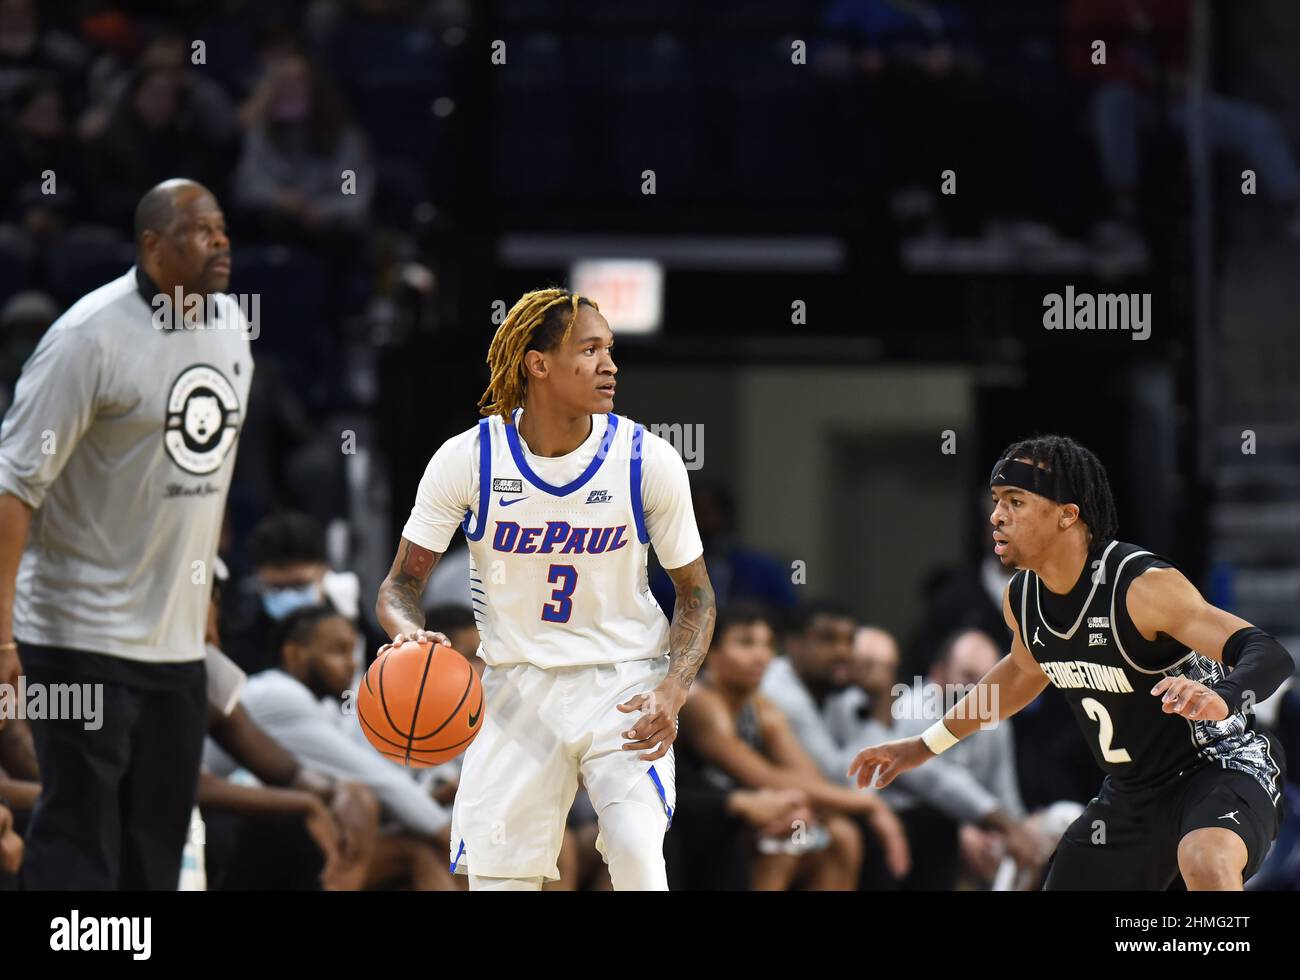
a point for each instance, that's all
(849, 346)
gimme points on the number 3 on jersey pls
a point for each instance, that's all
(567, 576)
(1105, 730)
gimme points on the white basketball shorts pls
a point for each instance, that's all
(542, 729)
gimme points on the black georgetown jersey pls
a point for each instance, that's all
(1090, 650)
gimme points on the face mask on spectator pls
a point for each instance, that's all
(279, 603)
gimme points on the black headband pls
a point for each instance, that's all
(1035, 479)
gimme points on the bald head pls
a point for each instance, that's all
(966, 658)
(180, 236)
(157, 209)
(875, 659)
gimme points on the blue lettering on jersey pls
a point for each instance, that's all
(556, 532)
(577, 539)
(513, 539)
(504, 539)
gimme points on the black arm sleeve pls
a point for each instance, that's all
(1258, 665)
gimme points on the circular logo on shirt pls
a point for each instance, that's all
(202, 419)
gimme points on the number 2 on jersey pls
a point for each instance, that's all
(1098, 713)
(567, 575)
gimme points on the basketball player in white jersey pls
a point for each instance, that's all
(560, 500)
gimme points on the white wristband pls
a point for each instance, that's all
(938, 739)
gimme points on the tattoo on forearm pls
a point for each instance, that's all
(691, 633)
(404, 588)
(416, 562)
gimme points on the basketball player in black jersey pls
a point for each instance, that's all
(1161, 682)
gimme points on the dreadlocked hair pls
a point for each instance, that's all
(540, 320)
(1082, 472)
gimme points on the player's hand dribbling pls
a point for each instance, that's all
(890, 758)
(1183, 696)
(658, 723)
(419, 636)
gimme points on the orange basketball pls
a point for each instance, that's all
(421, 704)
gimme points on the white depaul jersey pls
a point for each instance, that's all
(558, 560)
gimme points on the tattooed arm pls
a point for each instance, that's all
(398, 606)
(693, 618)
(688, 642)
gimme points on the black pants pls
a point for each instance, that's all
(932, 839)
(706, 849)
(115, 803)
(245, 852)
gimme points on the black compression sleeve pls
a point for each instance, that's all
(1258, 665)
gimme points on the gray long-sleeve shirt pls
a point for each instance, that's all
(286, 710)
(834, 733)
(122, 439)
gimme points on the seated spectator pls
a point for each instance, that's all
(988, 756)
(290, 571)
(298, 829)
(154, 134)
(297, 704)
(743, 740)
(711, 845)
(833, 718)
(299, 141)
(168, 51)
(29, 48)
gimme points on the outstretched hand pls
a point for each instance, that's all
(878, 765)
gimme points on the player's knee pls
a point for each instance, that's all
(1211, 860)
(633, 838)
(631, 829)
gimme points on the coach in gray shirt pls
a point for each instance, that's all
(115, 460)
